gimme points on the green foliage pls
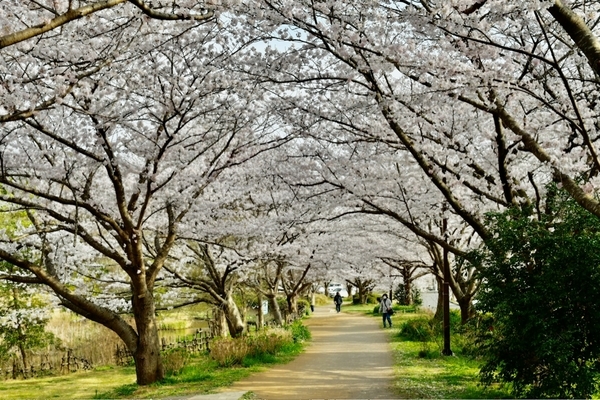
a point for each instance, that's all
(300, 333)
(303, 306)
(371, 299)
(418, 330)
(401, 297)
(23, 319)
(541, 279)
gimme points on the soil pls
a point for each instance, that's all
(349, 357)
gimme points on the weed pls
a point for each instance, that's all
(174, 360)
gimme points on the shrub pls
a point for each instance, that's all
(541, 280)
(228, 352)
(174, 360)
(303, 307)
(400, 296)
(418, 330)
(299, 332)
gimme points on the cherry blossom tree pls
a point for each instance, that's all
(110, 172)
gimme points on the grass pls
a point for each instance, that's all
(203, 375)
(422, 372)
(200, 375)
(82, 385)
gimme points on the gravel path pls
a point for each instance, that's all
(349, 358)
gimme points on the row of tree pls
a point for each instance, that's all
(331, 136)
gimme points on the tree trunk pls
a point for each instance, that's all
(234, 319)
(408, 300)
(292, 302)
(148, 362)
(274, 308)
(467, 311)
(260, 319)
(24, 357)
(439, 310)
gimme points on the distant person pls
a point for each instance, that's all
(312, 301)
(337, 300)
(385, 308)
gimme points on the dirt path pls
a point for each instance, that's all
(349, 358)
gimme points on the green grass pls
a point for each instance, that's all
(203, 375)
(421, 370)
(200, 375)
(81, 385)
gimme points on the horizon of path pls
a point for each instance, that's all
(349, 357)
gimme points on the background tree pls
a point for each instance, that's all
(23, 317)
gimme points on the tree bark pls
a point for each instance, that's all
(234, 319)
(439, 308)
(274, 308)
(148, 362)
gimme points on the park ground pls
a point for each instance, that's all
(350, 356)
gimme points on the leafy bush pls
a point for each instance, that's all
(174, 360)
(299, 332)
(269, 342)
(303, 307)
(541, 286)
(371, 299)
(400, 296)
(418, 330)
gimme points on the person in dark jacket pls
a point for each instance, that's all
(385, 308)
(337, 300)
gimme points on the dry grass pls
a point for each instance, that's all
(86, 338)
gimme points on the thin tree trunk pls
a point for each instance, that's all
(260, 322)
(439, 310)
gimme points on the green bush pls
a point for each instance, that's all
(269, 342)
(371, 299)
(299, 332)
(541, 277)
(418, 330)
(228, 352)
(401, 297)
(303, 307)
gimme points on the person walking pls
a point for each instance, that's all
(385, 308)
(337, 300)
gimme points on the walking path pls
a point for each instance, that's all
(349, 358)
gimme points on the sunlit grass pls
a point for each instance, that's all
(83, 385)
(433, 376)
